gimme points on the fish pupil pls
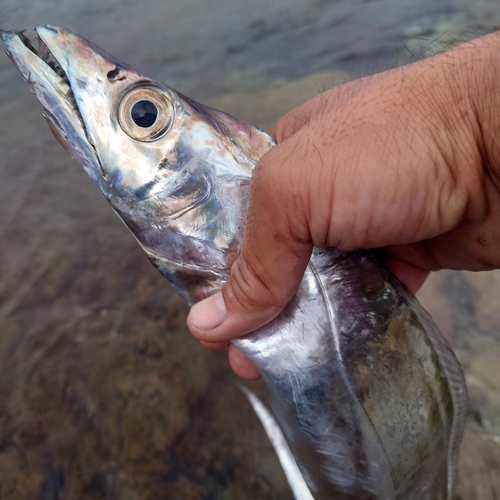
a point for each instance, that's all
(144, 113)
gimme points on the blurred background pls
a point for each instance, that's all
(103, 392)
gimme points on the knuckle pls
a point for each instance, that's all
(287, 126)
(278, 131)
(250, 291)
(282, 128)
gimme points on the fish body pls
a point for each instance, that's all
(368, 394)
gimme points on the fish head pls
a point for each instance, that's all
(175, 171)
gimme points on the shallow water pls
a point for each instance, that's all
(103, 393)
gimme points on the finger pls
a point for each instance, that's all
(241, 365)
(418, 254)
(215, 346)
(292, 122)
(411, 276)
(275, 251)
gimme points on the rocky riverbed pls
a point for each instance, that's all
(103, 392)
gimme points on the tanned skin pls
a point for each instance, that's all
(407, 161)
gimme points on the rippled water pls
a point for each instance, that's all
(212, 46)
(103, 393)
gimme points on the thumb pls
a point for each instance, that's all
(275, 251)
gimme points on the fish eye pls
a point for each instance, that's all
(146, 113)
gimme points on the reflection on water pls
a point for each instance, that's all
(103, 393)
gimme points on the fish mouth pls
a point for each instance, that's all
(43, 52)
(35, 59)
(40, 64)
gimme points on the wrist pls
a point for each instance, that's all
(464, 97)
(482, 57)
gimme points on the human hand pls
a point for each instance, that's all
(407, 161)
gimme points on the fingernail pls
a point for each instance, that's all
(208, 313)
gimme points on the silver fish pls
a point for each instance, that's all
(369, 396)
